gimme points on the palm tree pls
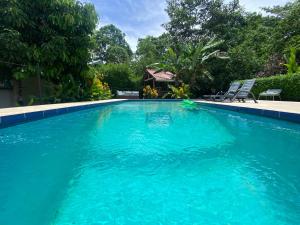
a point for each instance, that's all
(190, 61)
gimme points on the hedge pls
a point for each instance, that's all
(290, 85)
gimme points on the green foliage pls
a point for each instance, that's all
(181, 92)
(149, 92)
(111, 46)
(53, 40)
(150, 50)
(190, 63)
(253, 49)
(118, 76)
(290, 86)
(99, 90)
(117, 55)
(287, 33)
(191, 20)
(292, 64)
(48, 39)
(255, 43)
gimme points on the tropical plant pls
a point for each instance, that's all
(150, 50)
(99, 90)
(292, 65)
(181, 92)
(149, 92)
(190, 63)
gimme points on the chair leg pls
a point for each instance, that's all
(253, 97)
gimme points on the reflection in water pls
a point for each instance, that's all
(150, 163)
(103, 116)
(158, 118)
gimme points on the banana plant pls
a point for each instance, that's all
(190, 61)
(181, 92)
(292, 65)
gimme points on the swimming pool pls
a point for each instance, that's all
(150, 163)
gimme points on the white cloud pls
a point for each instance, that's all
(136, 19)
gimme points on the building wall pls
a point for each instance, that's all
(6, 98)
(29, 87)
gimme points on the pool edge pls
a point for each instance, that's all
(25, 117)
(274, 114)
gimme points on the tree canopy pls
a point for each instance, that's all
(47, 38)
(207, 43)
(111, 46)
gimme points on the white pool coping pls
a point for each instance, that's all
(289, 111)
(280, 106)
(38, 108)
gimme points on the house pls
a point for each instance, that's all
(159, 79)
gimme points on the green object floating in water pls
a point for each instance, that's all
(189, 104)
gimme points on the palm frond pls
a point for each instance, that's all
(208, 56)
(211, 44)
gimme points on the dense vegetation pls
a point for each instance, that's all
(256, 45)
(207, 43)
(288, 83)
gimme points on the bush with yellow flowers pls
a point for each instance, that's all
(149, 92)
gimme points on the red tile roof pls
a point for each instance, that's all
(161, 75)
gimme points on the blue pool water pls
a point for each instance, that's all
(150, 163)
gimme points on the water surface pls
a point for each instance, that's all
(150, 163)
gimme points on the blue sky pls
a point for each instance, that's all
(139, 18)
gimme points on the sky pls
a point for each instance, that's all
(139, 18)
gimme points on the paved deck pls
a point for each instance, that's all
(38, 108)
(276, 109)
(280, 106)
(289, 111)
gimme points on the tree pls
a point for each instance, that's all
(253, 48)
(190, 63)
(117, 54)
(287, 33)
(191, 20)
(50, 39)
(118, 76)
(110, 37)
(150, 50)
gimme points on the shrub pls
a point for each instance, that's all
(118, 76)
(292, 64)
(149, 92)
(290, 85)
(99, 90)
(181, 92)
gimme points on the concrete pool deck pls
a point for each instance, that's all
(275, 109)
(37, 108)
(282, 106)
(16, 115)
